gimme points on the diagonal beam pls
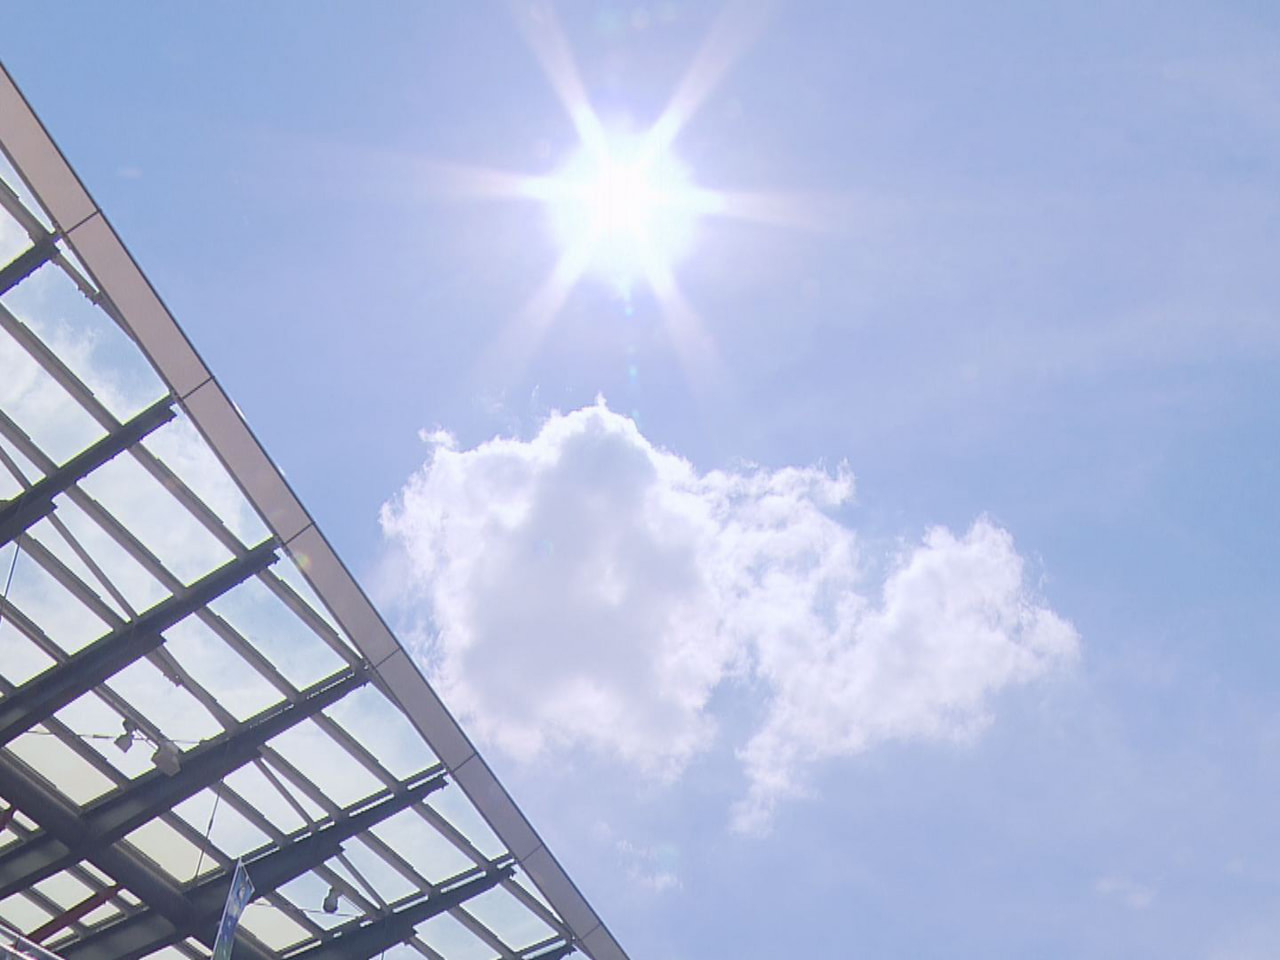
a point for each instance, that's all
(31, 505)
(558, 953)
(103, 823)
(143, 933)
(46, 693)
(28, 262)
(73, 914)
(370, 939)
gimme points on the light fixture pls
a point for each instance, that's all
(167, 758)
(125, 740)
(330, 904)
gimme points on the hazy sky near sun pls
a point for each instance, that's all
(895, 578)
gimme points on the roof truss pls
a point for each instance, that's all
(131, 631)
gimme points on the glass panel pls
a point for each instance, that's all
(377, 725)
(64, 890)
(99, 726)
(12, 484)
(173, 953)
(59, 764)
(102, 914)
(138, 587)
(14, 182)
(177, 714)
(449, 937)
(60, 544)
(308, 891)
(525, 884)
(171, 851)
(236, 685)
(13, 239)
(87, 341)
(507, 917)
(227, 828)
(182, 545)
(40, 407)
(331, 769)
(454, 806)
(422, 846)
(59, 616)
(390, 883)
(292, 577)
(22, 659)
(22, 914)
(271, 925)
(250, 783)
(293, 649)
(180, 447)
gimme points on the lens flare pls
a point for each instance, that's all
(626, 208)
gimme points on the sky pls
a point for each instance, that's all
(884, 569)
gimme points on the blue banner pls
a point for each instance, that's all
(238, 896)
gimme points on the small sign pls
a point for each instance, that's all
(238, 896)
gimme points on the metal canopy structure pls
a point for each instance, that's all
(189, 676)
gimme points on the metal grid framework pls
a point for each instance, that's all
(189, 675)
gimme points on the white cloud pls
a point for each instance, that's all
(585, 588)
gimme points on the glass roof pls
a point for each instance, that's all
(189, 676)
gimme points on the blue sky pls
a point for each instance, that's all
(1036, 314)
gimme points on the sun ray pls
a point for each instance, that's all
(733, 33)
(520, 337)
(695, 348)
(795, 210)
(543, 306)
(547, 40)
(469, 181)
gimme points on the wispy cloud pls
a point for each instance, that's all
(1127, 891)
(587, 589)
(653, 868)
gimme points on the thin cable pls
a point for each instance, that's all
(138, 737)
(4, 598)
(217, 795)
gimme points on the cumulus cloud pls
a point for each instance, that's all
(585, 588)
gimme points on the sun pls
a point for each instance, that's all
(622, 207)
(627, 213)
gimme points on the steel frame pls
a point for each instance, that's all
(84, 249)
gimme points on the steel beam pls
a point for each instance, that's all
(361, 942)
(141, 934)
(28, 507)
(46, 693)
(121, 812)
(28, 262)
